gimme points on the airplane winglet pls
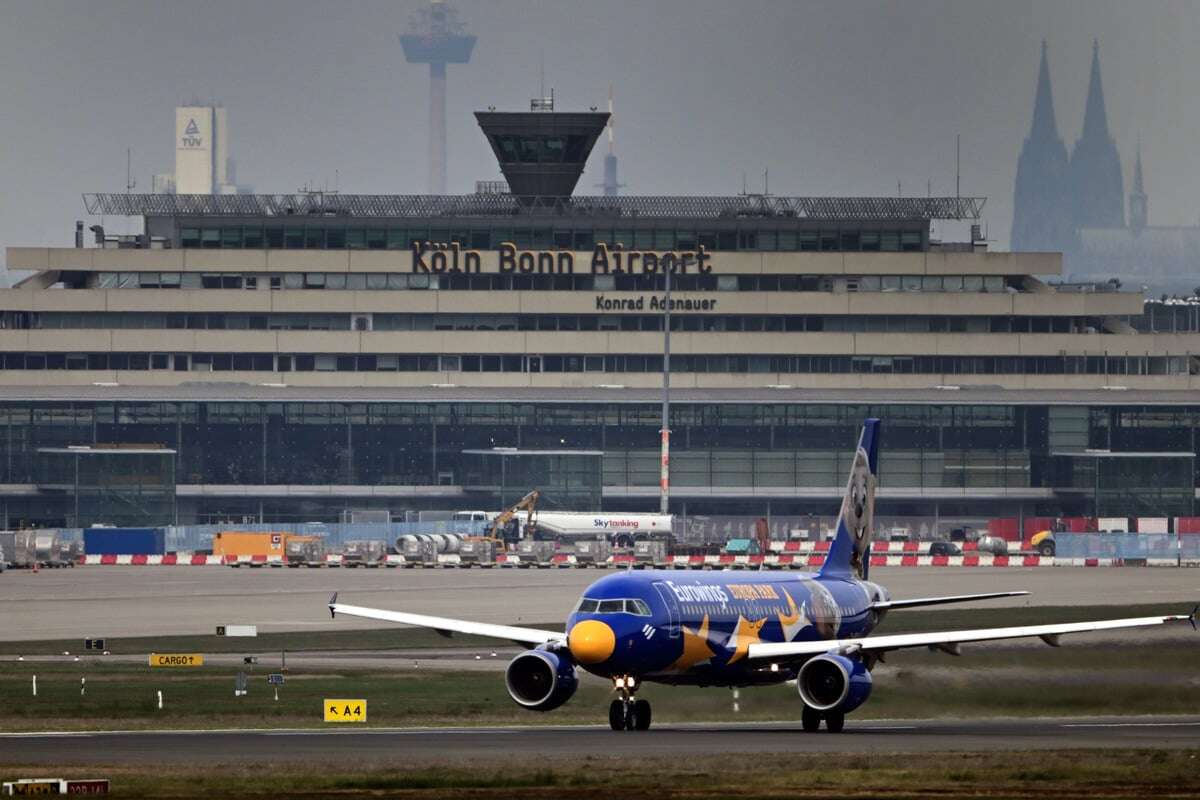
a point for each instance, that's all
(332, 603)
(1192, 617)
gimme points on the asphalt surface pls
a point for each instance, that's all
(160, 601)
(477, 745)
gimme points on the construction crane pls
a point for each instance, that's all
(500, 526)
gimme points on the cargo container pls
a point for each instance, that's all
(124, 541)
(304, 550)
(364, 552)
(21, 548)
(240, 543)
(47, 549)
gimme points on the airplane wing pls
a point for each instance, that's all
(446, 626)
(938, 601)
(950, 639)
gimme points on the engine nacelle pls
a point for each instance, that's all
(540, 680)
(834, 683)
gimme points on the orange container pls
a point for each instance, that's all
(238, 543)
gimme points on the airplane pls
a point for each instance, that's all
(734, 629)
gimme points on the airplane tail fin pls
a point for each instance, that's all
(849, 555)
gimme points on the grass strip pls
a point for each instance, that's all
(1054, 774)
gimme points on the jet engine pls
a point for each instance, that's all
(541, 680)
(834, 682)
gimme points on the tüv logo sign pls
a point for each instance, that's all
(191, 135)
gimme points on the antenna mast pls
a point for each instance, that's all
(130, 182)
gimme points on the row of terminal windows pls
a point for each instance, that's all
(931, 365)
(832, 323)
(311, 237)
(372, 281)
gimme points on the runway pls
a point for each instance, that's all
(480, 745)
(162, 601)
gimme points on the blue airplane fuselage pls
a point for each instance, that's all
(696, 627)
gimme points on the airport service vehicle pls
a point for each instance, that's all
(738, 628)
(524, 520)
(1043, 543)
(619, 529)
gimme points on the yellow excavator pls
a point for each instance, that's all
(506, 526)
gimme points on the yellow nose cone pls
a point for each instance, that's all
(591, 641)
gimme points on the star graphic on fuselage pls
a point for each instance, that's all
(745, 635)
(794, 621)
(695, 647)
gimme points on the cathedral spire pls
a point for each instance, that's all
(1138, 202)
(1041, 212)
(1096, 184)
(1095, 118)
(1043, 127)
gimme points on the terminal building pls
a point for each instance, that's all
(299, 357)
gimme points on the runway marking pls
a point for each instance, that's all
(51, 734)
(888, 728)
(1131, 725)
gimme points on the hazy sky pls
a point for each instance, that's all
(844, 97)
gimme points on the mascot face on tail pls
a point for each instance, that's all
(858, 509)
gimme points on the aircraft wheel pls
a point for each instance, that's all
(616, 715)
(835, 722)
(810, 720)
(641, 715)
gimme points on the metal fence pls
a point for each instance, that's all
(1127, 546)
(191, 538)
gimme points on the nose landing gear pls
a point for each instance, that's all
(810, 720)
(626, 713)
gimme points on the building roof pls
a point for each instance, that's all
(394, 206)
(245, 392)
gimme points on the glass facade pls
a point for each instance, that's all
(489, 282)
(605, 364)
(939, 449)
(666, 235)
(122, 487)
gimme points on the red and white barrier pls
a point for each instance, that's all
(168, 560)
(772, 561)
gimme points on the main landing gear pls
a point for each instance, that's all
(810, 720)
(626, 713)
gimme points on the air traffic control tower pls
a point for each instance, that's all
(436, 37)
(542, 152)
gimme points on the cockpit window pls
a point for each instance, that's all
(637, 607)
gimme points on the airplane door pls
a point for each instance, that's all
(672, 604)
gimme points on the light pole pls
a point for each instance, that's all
(664, 488)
